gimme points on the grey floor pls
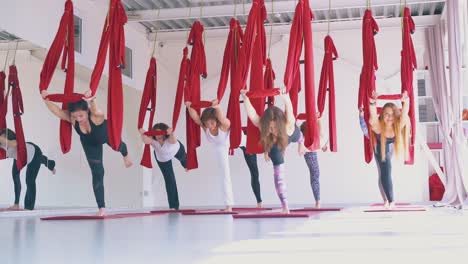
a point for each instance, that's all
(351, 236)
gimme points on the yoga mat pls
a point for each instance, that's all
(397, 204)
(271, 215)
(311, 209)
(253, 209)
(173, 211)
(396, 210)
(209, 212)
(96, 217)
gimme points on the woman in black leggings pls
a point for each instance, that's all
(166, 147)
(35, 159)
(390, 134)
(90, 124)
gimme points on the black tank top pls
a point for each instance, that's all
(97, 135)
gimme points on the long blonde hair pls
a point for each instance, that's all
(267, 139)
(400, 130)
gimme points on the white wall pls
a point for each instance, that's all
(38, 21)
(72, 184)
(345, 177)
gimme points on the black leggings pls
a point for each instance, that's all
(94, 156)
(169, 176)
(251, 160)
(385, 169)
(32, 170)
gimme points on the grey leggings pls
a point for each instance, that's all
(314, 170)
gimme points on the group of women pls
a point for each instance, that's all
(277, 127)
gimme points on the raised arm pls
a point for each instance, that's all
(374, 118)
(193, 114)
(251, 112)
(144, 138)
(96, 112)
(405, 109)
(225, 122)
(288, 111)
(54, 109)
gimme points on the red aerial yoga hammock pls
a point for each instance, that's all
(64, 42)
(196, 70)
(301, 33)
(408, 64)
(253, 57)
(113, 38)
(231, 67)
(367, 78)
(18, 110)
(148, 97)
(327, 82)
(3, 108)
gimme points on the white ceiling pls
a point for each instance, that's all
(178, 15)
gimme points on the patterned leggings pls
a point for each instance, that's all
(280, 184)
(312, 163)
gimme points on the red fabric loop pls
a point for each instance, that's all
(201, 104)
(154, 133)
(263, 93)
(389, 97)
(65, 98)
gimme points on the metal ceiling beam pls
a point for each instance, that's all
(284, 29)
(228, 10)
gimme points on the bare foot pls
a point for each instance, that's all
(14, 207)
(228, 209)
(128, 162)
(391, 205)
(259, 205)
(101, 212)
(285, 210)
(317, 204)
(386, 205)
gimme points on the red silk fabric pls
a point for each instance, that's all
(63, 44)
(113, 38)
(367, 78)
(18, 110)
(148, 99)
(327, 80)
(196, 70)
(3, 108)
(301, 35)
(408, 65)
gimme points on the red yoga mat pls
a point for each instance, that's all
(95, 217)
(311, 209)
(210, 212)
(397, 204)
(271, 215)
(253, 209)
(173, 211)
(396, 210)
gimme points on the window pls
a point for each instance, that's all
(78, 33)
(129, 66)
